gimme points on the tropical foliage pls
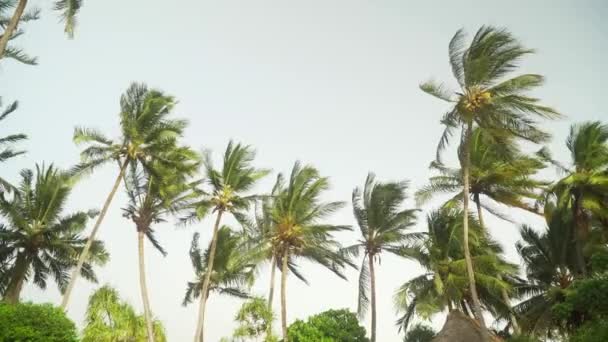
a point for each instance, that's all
(332, 325)
(35, 323)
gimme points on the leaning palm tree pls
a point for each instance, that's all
(7, 149)
(233, 271)
(584, 187)
(110, 319)
(490, 101)
(155, 194)
(11, 51)
(229, 187)
(39, 240)
(444, 284)
(67, 10)
(384, 227)
(147, 134)
(299, 230)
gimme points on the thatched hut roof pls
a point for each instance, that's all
(460, 328)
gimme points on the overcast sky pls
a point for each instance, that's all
(331, 83)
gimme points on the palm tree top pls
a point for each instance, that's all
(588, 146)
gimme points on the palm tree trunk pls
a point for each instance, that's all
(199, 335)
(466, 163)
(13, 290)
(504, 294)
(272, 275)
(284, 295)
(85, 251)
(372, 280)
(143, 287)
(12, 26)
(579, 230)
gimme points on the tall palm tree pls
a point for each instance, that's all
(10, 50)
(444, 284)
(7, 148)
(549, 258)
(489, 100)
(153, 195)
(233, 271)
(147, 133)
(67, 10)
(584, 187)
(110, 319)
(384, 227)
(39, 239)
(299, 230)
(229, 187)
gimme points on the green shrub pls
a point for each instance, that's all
(595, 331)
(419, 333)
(35, 323)
(329, 326)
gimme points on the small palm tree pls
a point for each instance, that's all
(110, 319)
(147, 134)
(153, 196)
(39, 240)
(584, 187)
(489, 101)
(229, 187)
(67, 10)
(7, 149)
(384, 228)
(232, 272)
(549, 258)
(297, 215)
(444, 285)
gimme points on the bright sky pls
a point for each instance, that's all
(331, 83)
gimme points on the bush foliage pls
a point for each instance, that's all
(329, 326)
(35, 323)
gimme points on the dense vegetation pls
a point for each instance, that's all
(559, 292)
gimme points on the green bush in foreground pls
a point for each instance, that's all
(35, 323)
(328, 326)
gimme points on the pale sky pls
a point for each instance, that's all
(331, 83)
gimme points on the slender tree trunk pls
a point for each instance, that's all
(372, 280)
(143, 287)
(272, 275)
(465, 308)
(466, 162)
(579, 230)
(284, 271)
(85, 251)
(200, 326)
(504, 294)
(14, 287)
(12, 26)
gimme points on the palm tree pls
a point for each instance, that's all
(7, 149)
(549, 258)
(584, 188)
(110, 319)
(299, 232)
(10, 50)
(384, 228)
(39, 240)
(488, 101)
(232, 272)
(67, 10)
(147, 135)
(444, 285)
(499, 173)
(153, 195)
(229, 186)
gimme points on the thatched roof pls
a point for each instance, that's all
(460, 328)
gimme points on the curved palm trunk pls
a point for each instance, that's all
(466, 164)
(85, 252)
(13, 290)
(12, 26)
(504, 294)
(272, 275)
(143, 287)
(372, 280)
(199, 335)
(284, 296)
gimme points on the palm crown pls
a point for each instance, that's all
(7, 149)
(39, 239)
